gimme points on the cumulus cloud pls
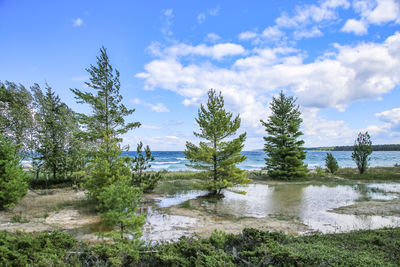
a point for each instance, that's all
(305, 22)
(212, 37)
(217, 51)
(355, 26)
(77, 22)
(351, 73)
(375, 12)
(392, 117)
(247, 35)
(159, 107)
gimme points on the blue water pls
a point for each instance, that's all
(175, 160)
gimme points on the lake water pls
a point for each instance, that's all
(175, 160)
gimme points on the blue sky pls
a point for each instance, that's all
(340, 58)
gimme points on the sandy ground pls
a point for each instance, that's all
(380, 208)
(64, 209)
(47, 210)
(207, 223)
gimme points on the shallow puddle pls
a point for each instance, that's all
(310, 203)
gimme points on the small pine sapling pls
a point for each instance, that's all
(331, 163)
(142, 162)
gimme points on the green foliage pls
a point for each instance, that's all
(19, 218)
(215, 157)
(107, 117)
(47, 249)
(361, 151)
(13, 185)
(118, 207)
(16, 117)
(107, 168)
(55, 143)
(376, 174)
(331, 163)
(285, 153)
(250, 248)
(141, 162)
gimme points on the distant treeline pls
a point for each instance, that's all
(388, 147)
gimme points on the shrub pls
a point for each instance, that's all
(331, 163)
(13, 185)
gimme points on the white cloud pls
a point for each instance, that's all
(307, 33)
(272, 32)
(375, 12)
(364, 71)
(392, 117)
(247, 35)
(307, 14)
(159, 107)
(201, 18)
(167, 17)
(213, 37)
(214, 11)
(355, 26)
(152, 127)
(217, 51)
(77, 22)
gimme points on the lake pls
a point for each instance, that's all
(175, 160)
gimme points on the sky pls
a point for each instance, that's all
(340, 59)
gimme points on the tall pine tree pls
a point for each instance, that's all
(107, 119)
(54, 127)
(285, 152)
(216, 156)
(16, 116)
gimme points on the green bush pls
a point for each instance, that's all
(331, 163)
(13, 185)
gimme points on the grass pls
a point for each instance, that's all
(375, 173)
(180, 175)
(171, 187)
(19, 218)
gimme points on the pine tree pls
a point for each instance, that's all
(216, 157)
(54, 127)
(142, 162)
(107, 117)
(361, 151)
(284, 150)
(331, 163)
(13, 182)
(16, 116)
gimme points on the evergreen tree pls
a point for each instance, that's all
(13, 184)
(106, 121)
(102, 173)
(361, 151)
(16, 116)
(285, 152)
(142, 162)
(216, 157)
(119, 204)
(331, 163)
(54, 122)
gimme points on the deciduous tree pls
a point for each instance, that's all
(361, 151)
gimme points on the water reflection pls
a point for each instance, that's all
(310, 203)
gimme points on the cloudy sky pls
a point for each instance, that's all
(339, 58)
